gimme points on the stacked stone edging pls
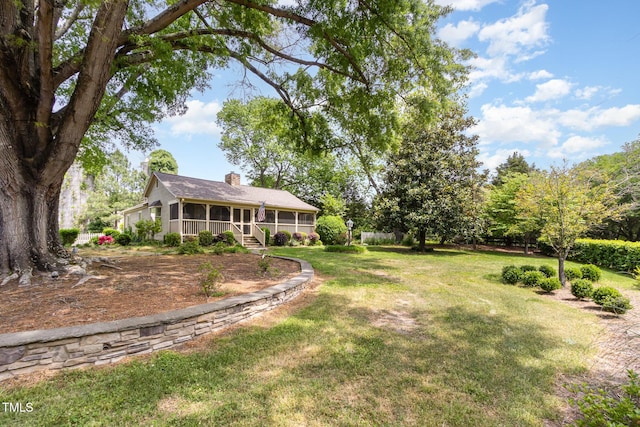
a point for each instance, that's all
(109, 342)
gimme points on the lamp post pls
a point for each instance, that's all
(349, 227)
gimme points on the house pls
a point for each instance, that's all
(190, 205)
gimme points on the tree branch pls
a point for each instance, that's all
(69, 21)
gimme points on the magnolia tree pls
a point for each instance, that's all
(76, 75)
(431, 184)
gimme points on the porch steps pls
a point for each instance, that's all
(251, 242)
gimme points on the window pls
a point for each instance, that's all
(286, 217)
(219, 213)
(156, 213)
(305, 218)
(173, 211)
(193, 211)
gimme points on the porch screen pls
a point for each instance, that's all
(219, 213)
(285, 217)
(194, 211)
(173, 211)
(305, 218)
(269, 216)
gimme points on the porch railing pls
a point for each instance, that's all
(259, 235)
(237, 234)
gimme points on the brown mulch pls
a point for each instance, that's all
(130, 286)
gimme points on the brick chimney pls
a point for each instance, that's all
(232, 178)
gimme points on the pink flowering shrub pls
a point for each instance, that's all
(105, 240)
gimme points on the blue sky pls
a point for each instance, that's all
(552, 79)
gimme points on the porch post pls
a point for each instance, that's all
(180, 219)
(295, 214)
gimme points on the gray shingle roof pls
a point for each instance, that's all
(202, 189)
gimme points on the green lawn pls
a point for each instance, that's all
(393, 338)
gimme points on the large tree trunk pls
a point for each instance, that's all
(38, 146)
(422, 239)
(29, 228)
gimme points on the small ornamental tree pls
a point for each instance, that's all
(566, 203)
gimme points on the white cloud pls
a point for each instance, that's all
(539, 75)
(477, 90)
(592, 118)
(503, 124)
(465, 4)
(200, 119)
(577, 148)
(517, 35)
(456, 34)
(587, 92)
(553, 89)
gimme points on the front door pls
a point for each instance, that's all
(242, 218)
(246, 221)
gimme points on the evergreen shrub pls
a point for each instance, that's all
(550, 284)
(572, 273)
(267, 235)
(511, 274)
(68, 235)
(351, 249)
(205, 237)
(172, 239)
(547, 270)
(581, 288)
(591, 272)
(617, 305)
(190, 248)
(600, 294)
(123, 239)
(532, 278)
(330, 228)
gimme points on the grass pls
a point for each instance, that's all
(392, 338)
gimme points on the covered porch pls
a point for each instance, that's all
(191, 217)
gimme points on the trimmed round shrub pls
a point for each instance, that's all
(547, 270)
(123, 239)
(314, 238)
(172, 239)
(572, 273)
(532, 278)
(591, 272)
(617, 305)
(286, 233)
(111, 232)
(330, 228)
(205, 237)
(581, 288)
(550, 284)
(280, 239)
(599, 295)
(511, 274)
(526, 268)
(297, 236)
(68, 235)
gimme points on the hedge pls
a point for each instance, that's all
(614, 254)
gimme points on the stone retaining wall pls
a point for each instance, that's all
(108, 342)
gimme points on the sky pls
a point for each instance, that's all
(552, 80)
